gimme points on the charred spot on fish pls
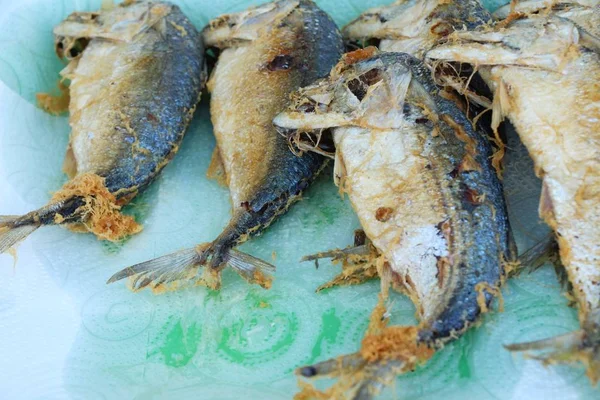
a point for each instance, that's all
(360, 237)
(282, 62)
(442, 29)
(357, 88)
(382, 19)
(421, 120)
(383, 214)
(245, 205)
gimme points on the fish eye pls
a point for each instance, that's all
(360, 85)
(78, 46)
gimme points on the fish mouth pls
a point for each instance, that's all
(318, 141)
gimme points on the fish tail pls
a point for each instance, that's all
(13, 230)
(190, 267)
(361, 380)
(252, 269)
(579, 346)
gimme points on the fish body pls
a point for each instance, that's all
(136, 74)
(266, 52)
(251, 84)
(545, 72)
(144, 62)
(420, 179)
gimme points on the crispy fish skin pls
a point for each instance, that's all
(266, 53)
(420, 179)
(545, 71)
(136, 75)
(413, 27)
(298, 46)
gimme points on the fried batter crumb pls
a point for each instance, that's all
(55, 104)
(262, 280)
(480, 288)
(396, 343)
(101, 213)
(309, 392)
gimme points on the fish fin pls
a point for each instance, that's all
(185, 268)
(7, 219)
(537, 255)
(580, 346)
(216, 170)
(358, 265)
(352, 275)
(11, 235)
(252, 269)
(164, 273)
(230, 29)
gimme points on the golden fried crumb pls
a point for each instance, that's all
(101, 213)
(55, 104)
(395, 343)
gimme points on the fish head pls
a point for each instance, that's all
(247, 25)
(412, 26)
(366, 89)
(120, 23)
(69, 37)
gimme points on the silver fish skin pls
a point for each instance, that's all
(544, 69)
(420, 179)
